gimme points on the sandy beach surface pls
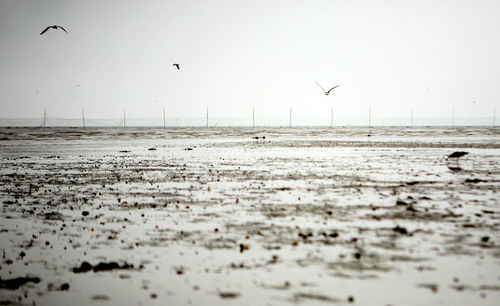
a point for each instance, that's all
(240, 216)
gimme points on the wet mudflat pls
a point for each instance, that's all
(220, 217)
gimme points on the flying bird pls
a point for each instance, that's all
(327, 92)
(55, 27)
(176, 66)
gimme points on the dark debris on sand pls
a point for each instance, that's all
(401, 230)
(102, 266)
(228, 295)
(15, 283)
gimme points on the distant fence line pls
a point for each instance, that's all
(247, 122)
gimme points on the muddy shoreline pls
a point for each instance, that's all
(311, 216)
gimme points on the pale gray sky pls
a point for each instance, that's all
(431, 56)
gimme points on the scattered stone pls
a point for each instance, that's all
(473, 180)
(410, 208)
(433, 287)
(318, 297)
(274, 259)
(64, 286)
(103, 266)
(53, 215)
(401, 202)
(244, 247)
(85, 213)
(152, 149)
(332, 235)
(179, 270)
(401, 230)
(485, 238)
(228, 295)
(84, 267)
(305, 236)
(15, 283)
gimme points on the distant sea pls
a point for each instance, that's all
(247, 122)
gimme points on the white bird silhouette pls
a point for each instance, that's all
(325, 91)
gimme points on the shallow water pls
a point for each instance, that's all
(307, 215)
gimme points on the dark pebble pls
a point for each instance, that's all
(401, 230)
(84, 267)
(228, 295)
(473, 180)
(103, 266)
(401, 202)
(15, 283)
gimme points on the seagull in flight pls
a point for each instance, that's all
(55, 27)
(327, 92)
(176, 66)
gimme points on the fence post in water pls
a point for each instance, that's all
(331, 118)
(453, 117)
(253, 117)
(164, 117)
(83, 118)
(44, 117)
(369, 117)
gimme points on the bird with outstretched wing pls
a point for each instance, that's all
(327, 92)
(55, 27)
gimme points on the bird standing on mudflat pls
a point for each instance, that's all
(457, 154)
(176, 66)
(325, 91)
(55, 27)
